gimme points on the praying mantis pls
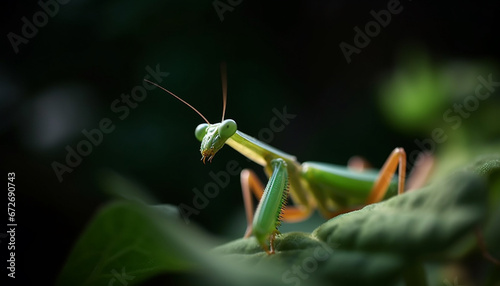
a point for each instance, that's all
(332, 189)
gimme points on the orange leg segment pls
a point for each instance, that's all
(250, 183)
(397, 157)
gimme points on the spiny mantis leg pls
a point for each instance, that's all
(397, 157)
(268, 214)
(250, 183)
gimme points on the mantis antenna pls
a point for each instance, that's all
(182, 100)
(223, 75)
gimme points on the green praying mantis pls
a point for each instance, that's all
(332, 189)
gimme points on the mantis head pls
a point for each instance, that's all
(213, 137)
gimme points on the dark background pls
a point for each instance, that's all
(278, 53)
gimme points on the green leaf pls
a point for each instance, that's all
(416, 223)
(304, 258)
(128, 243)
(132, 241)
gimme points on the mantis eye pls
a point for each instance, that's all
(200, 131)
(227, 128)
